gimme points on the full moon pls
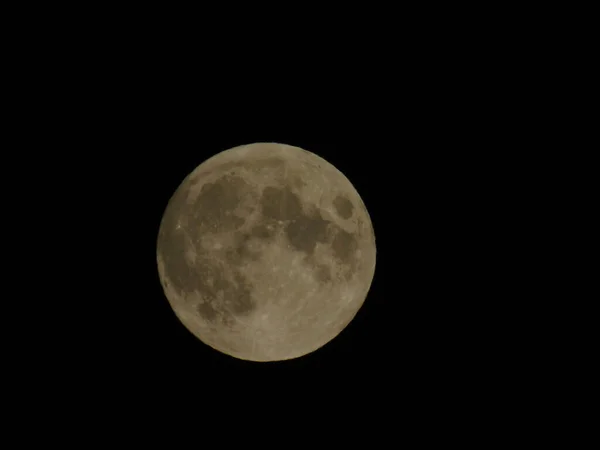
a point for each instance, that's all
(266, 252)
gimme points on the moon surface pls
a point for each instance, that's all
(266, 252)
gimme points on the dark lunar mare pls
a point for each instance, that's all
(343, 206)
(280, 204)
(344, 245)
(305, 229)
(213, 210)
(304, 232)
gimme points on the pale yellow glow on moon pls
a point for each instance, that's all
(266, 252)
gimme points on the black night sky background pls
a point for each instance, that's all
(436, 118)
(421, 149)
(423, 320)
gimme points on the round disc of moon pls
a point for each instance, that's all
(266, 252)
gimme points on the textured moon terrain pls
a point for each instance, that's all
(266, 252)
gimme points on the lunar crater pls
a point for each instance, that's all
(343, 206)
